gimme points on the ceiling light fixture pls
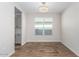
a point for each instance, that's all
(43, 8)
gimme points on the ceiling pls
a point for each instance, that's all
(54, 7)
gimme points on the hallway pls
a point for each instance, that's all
(43, 49)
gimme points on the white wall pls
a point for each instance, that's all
(6, 29)
(56, 28)
(70, 28)
(24, 28)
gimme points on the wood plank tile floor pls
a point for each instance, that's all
(43, 49)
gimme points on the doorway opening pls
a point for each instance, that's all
(18, 28)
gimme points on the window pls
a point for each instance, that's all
(43, 26)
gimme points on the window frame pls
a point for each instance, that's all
(43, 32)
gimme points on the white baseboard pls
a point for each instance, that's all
(23, 43)
(11, 53)
(43, 41)
(70, 48)
(7, 55)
